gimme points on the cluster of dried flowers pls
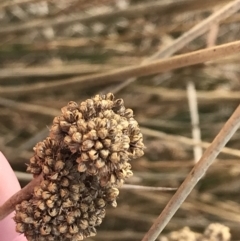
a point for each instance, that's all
(83, 162)
(214, 232)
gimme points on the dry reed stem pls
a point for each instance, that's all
(212, 35)
(194, 176)
(176, 95)
(23, 194)
(29, 107)
(193, 108)
(78, 69)
(196, 206)
(186, 141)
(155, 67)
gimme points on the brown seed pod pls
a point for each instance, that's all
(50, 203)
(21, 227)
(83, 224)
(59, 165)
(64, 193)
(53, 212)
(82, 167)
(46, 194)
(73, 229)
(41, 205)
(63, 228)
(52, 187)
(45, 230)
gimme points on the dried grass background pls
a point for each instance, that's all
(43, 42)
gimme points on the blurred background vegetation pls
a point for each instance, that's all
(46, 46)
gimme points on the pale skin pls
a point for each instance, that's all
(8, 186)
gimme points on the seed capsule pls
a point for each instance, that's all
(77, 137)
(74, 188)
(65, 125)
(102, 133)
(67, 140)
(68, 116)
(73, 229)
(83, 207)
(100, 203)
(70, 218)
(98, 145)
(46, 218)
(45, 230)
(87, 145)
(46, 170)
(99, 221)
(37, 214)
(93, 154)
(84, 157)
(52, 187)
(50, 203)
(38, 192)
(53, 212)
(106, 143)
(41, 205)
(20, 227)
(65, 182)
(82, 167)
(113, 193)
(59, 165)
(67, 204)
(81, 126)
(72, 105)
(62, 228)
(99, 163)
(44, 184)
(78, 237)
(114, 157)
(55, 130)
(46, 194)
(83, 224)
(64, 193)
(104, 153)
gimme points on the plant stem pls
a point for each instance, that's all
(155, 67)
(194, 176)
(23, 194)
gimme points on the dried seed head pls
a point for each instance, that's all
(84, 161)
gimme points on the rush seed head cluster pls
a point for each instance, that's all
(83, 162)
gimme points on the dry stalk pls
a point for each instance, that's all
(186, 141)
(23, 194)
(194, 176)
(193, 108)
(155, 67)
